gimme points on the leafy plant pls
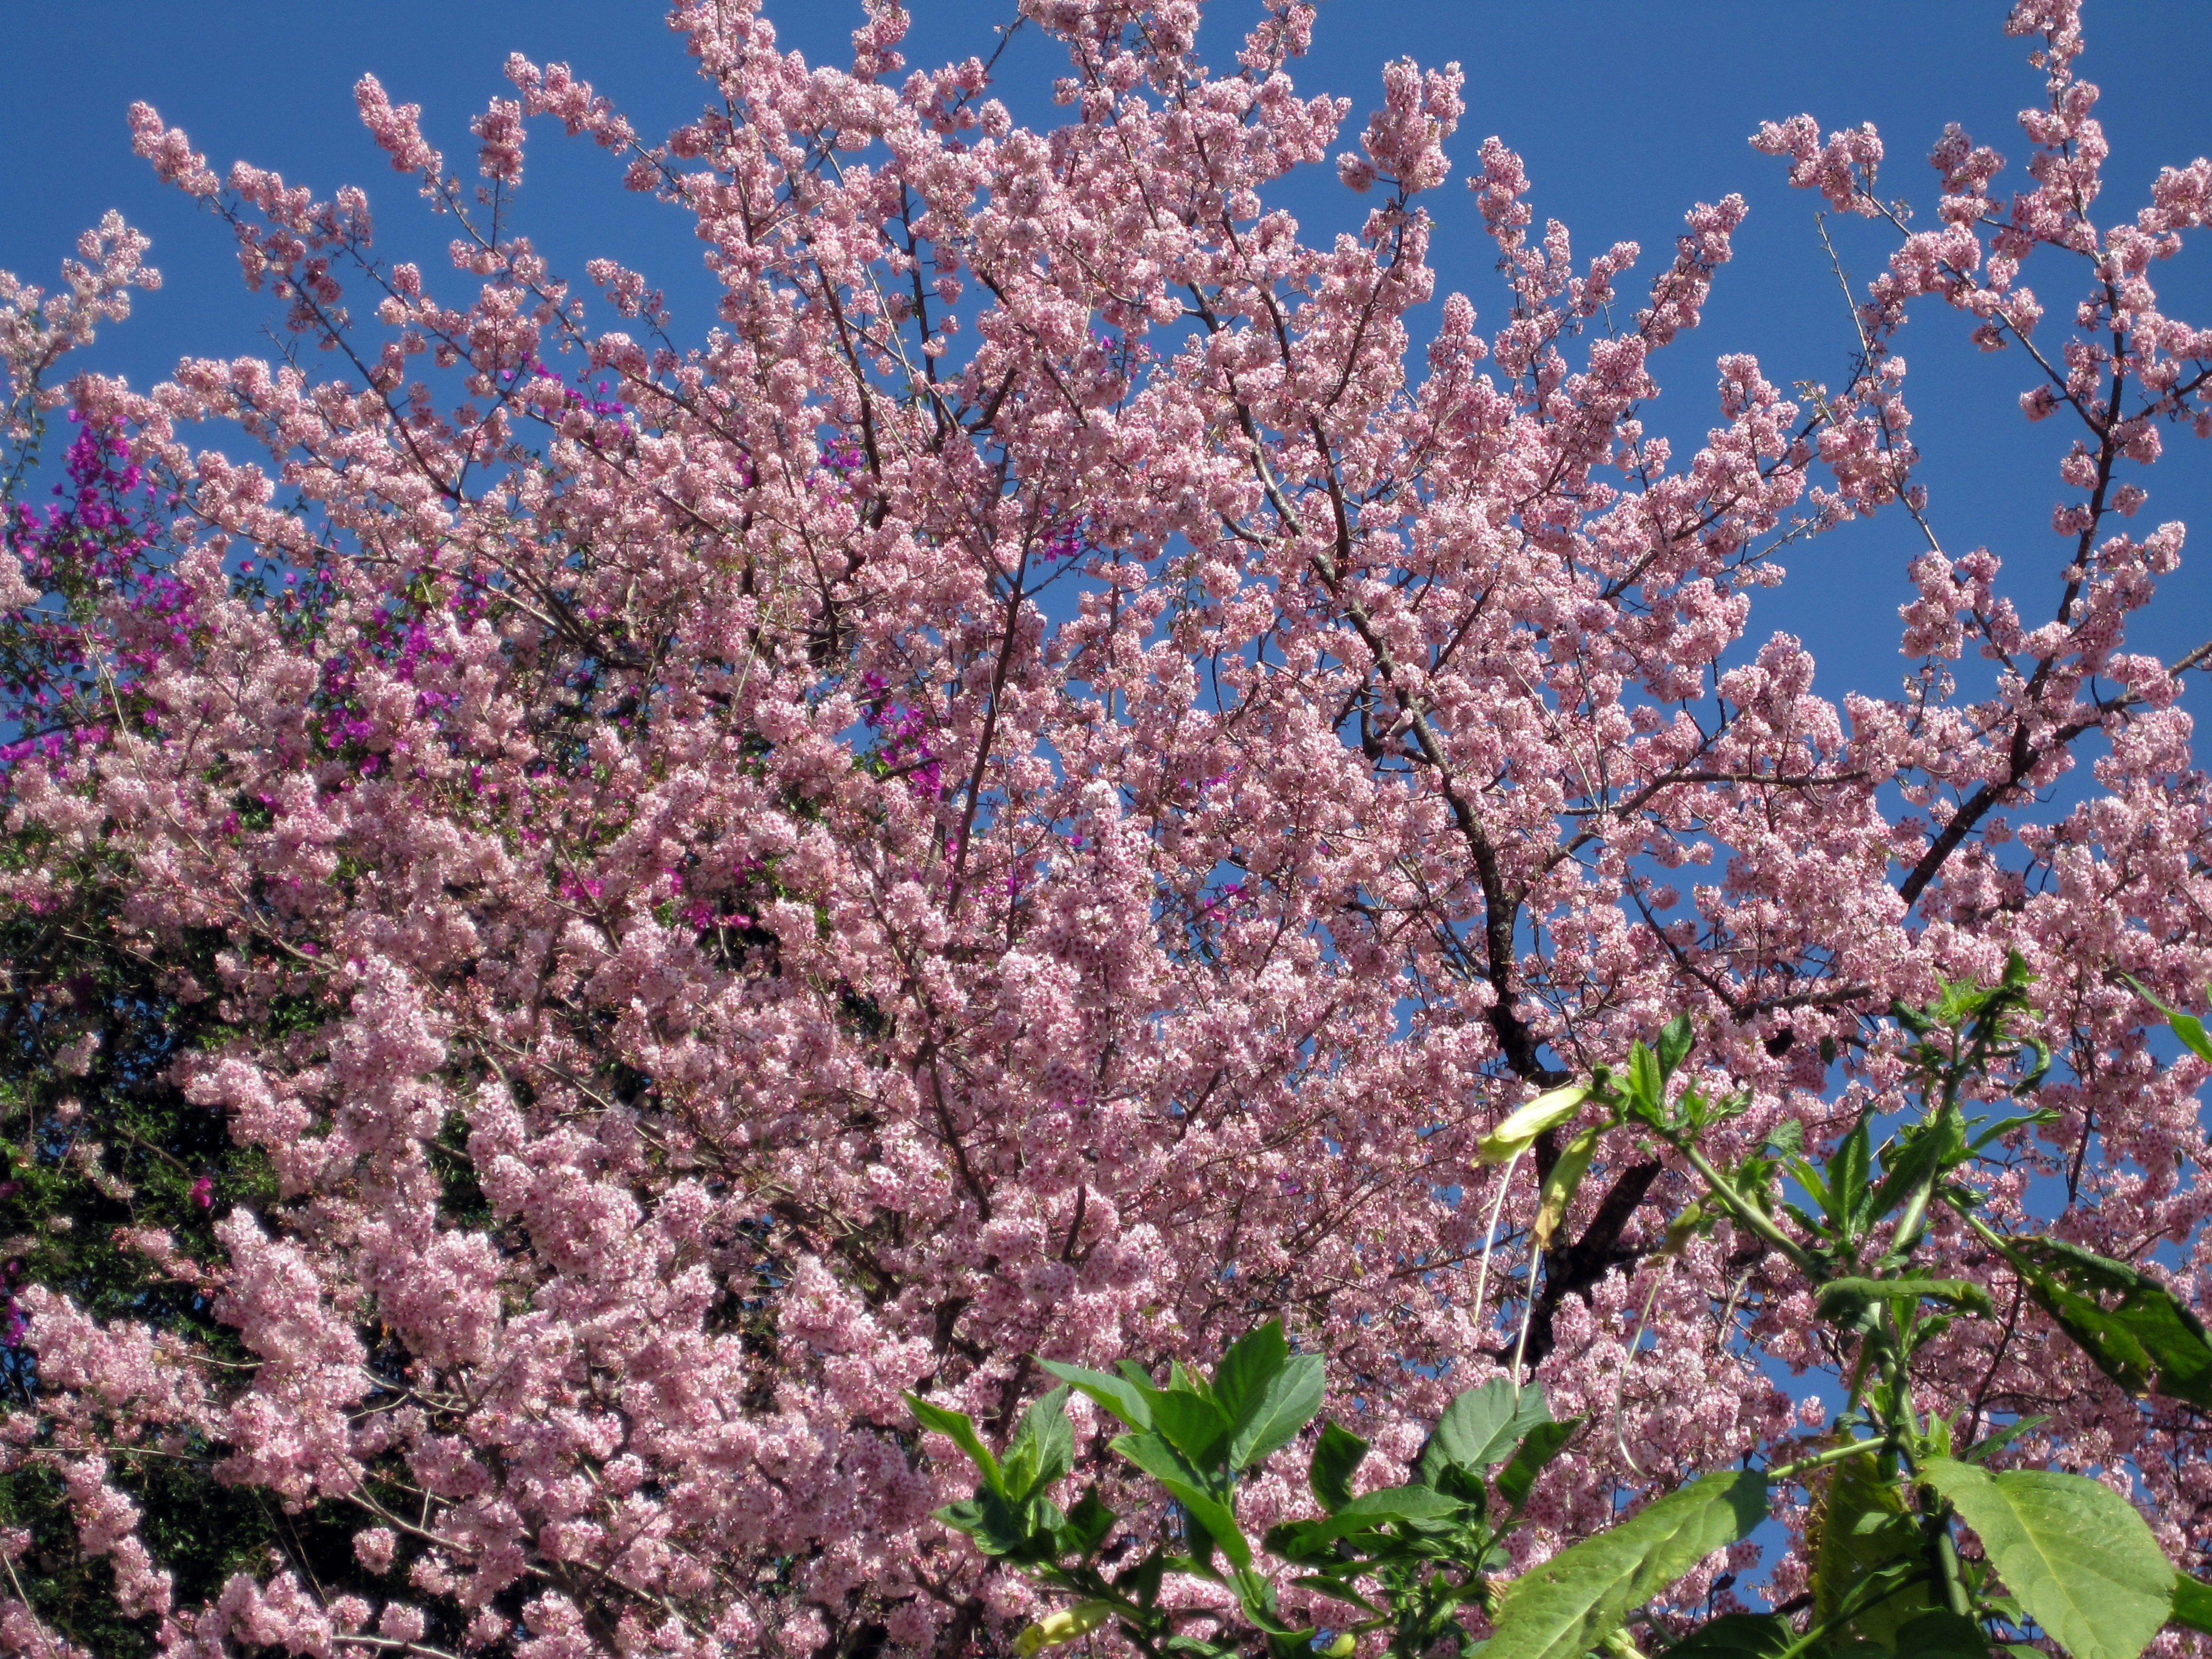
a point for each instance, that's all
(2060, 1556)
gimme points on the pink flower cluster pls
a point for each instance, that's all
(1036, 792)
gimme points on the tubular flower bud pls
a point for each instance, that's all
(1548, 1110)
(1066, 1626)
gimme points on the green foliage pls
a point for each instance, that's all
(2076, 1554)
(1573, 1601)
(2063, 1557)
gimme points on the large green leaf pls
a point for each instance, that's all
(1848, 1301)
(955, 1427)
(1285, 1404)
(1861, 1528)
(1130, 1400)
(1157, 1458)
(1306, 1541)
(1568, 1604)
(1337, 1456)
(1248, 1367)
(1482, 1426)
(2076, 1554)
(1042, 1448)
(1737, 1636)
(1544, 1442)
(1194, 1426)
(1087, 1526)
(2174, 1348)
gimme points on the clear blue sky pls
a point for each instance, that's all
(1626, 110)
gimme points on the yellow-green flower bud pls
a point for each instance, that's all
(1548, 1110)
(1066, 1626)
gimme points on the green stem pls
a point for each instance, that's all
(1821, 1459)
(1946, 1562)
(1745, 1213)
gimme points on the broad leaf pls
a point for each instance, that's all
(1568, 1604)
(1847, 1174)
(1087, 1526)
(2171, 1339)
(955, 1427)
(1737, 1636)
(1307, 1541)
(1157, 1458)
(1194, 1426)
(1042, 1448)
(1916, 1155)
(1283, 1405)
(1482, 1426)
(1130, 1401)
(2077, 1555)
(1646, 1083)
(1544, 1442)
(1247, 1368)
(1847, 1300)
(1674, 1041)
(2193, 1603)
(990, 1521)
(1336, 1457)
(1861, 1528)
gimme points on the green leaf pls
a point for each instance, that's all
(1997, 1439)
(2187, 1027)
(1997, 1131)
(1156, 1457)
(990, 1521)
(1918, 1154)
(955, 1427)
(1130, 1401)
(1786, 1138)
(1087, 1526)
(1338, 1589)
(2193, 1603)
(1284, 1405)
(1182, 1382)
(1737, 1636)
(1042, 1448)
(1544, 1442)
(1860, 1528)
(2174, 1347)
(1568, 1604)
(1674, 1041)
(1847, 1174)
(1141, 1582)
(1336, 1457)
(1846, 1300)
(1308, 1541)
(1647, 1084)
(1941, 1635)
(1248, 1367)
(1192, 1426)
(1559, 1189)
(1481, 1427)
(2076, 1554)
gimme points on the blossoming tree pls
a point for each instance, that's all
(1032, 796)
